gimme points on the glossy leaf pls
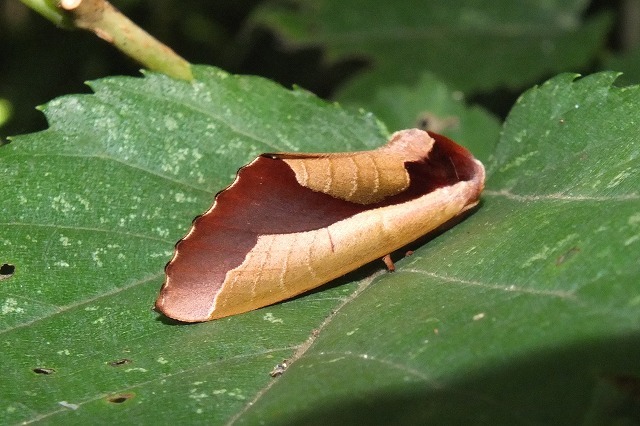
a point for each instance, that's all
(525, 312)
(92, 208)
(528, 312)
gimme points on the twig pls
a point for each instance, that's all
(104, 20)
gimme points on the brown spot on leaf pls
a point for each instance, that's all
(120, 398)
(120, 362)
(567, 255)
(43, 370)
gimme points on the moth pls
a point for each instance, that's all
(291, 222)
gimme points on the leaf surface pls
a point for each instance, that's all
(534, 293)
(92, 209)
(525, 313)
(473, 46)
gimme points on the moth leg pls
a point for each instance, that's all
(389, 263)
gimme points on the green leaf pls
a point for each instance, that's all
(92, 208)
(525, 312)
(431, 105)
(473, 46)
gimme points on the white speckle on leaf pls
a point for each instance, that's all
(566, 240)
(136, 369)
(618, 179)
(632, 240)
(83, 202)
(96, 258)
(10, 306)
(163, 232)
(100, 320)
(170, 123)
(219, 392)
(61, 263)
(64, 352)
(518, 161)
(163, 254)
(68, 405)
(350, 333)
(237, 393)
(162, 360)
(478, 316)
(541, 255)
(61, 204)
(197, 396)
(200, 177)
(271, 318)
(634, 219)
(64, 240)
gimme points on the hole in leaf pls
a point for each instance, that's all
(119, 399)
(6, 270)
(43, 370)
(120, 362)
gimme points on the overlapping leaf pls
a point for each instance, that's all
(526, 311)
(473, 46)
(91, 210)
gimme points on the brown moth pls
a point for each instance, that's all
(291, 222)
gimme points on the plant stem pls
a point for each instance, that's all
(49, 10)
(104, 20)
